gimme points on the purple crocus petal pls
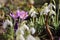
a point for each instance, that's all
(13, 16)
(26, 15)
(23, 15)
(16, 26)
(18, 12)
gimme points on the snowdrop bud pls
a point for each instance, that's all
(30, 37)
(32, 30)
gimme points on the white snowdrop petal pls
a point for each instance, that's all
(51, 5)
(37, 38)
(26, 27)
(7, 22)
(20, 37)
(46, 10)
(52, 12)
(4, 25)
(10, 23)
(31, 10)
(30, 37)
(22, 32)
(32, 30)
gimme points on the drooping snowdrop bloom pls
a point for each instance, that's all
(51, 5)
(22, 29)
(20, 37)
(19, 31)
(47, 8)
(30, 37)
(32, 12)
(52, 12)
(6, 23)
(37, 38)
(32, 30)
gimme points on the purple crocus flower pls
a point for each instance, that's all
(22, 14)
(13, 16)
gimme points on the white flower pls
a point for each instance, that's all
(7, 22)
(32, 12)
(20, 37)
(52, 12)
(19, 31)
(25, 27)
(51, 5)
(30, 37)
(32, 30)
(46, 10)
(22, 29)
(37, 38)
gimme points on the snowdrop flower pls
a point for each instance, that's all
(52, 12)
(24, 27)
(7, 22)
(37, 38)
(20, 37)
(30, 37)
(19, 31)
(51, 5)
(32, 12)
(32, 30)
(47, 8)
